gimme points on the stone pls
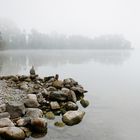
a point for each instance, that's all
(48, 78)
(40, 98)
(51, 88)
(73, 117)
(31, 101)
(71, 106)
(15, 109)
(50, 115)
(59, 124)
(84, 103)
(23, 86)
(6, 122)
(78, 89)
(26, 131)
(4, 115)
(39, 124)
(72, 96)
(58, 95)
(2, 108)
(23, 121)
(34, 113)
(32, 71)
(12, 133)
(58, 84)
(54, 105)
(69, 81)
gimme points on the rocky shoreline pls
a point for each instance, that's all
(27, 102)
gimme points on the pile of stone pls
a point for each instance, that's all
(43, 99)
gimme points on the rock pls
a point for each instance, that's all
(73, 117)
(2, 108)
(45, 93)
(15, 109)
(23, 121)
(84, 103)
(34, 113)
(78, 89)
(51, 88)
(58, 84)
(12, 133)
(59, 124)
(48, 78)
(58, 95)
(26, 131)
(32, 71)
(4, 115)
(40, 98)
(6, 122)
(72, 96)
(71, 106)
(50, 115)
(23, 86)
(69, 81)
(31, 101)
(39, 124)
(54, 105)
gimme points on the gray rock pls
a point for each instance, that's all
(71, 106)
(40, 98)
(15, 109)
(6, 122)
(34, 113)
(13, 133)
(51, 88)
(69, 81)
(26, 131)
(4, 115)
(39, 124)
(2, 108)
(84, 103)
(31, 101)
(72, 96)
(54, 105)
(73, 117)
(23, 121)
(23, 86)
(78, 89)
(58, 95)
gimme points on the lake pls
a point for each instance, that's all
(112, 79)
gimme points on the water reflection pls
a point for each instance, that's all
(16, 61)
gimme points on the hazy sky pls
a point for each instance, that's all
(86, 17)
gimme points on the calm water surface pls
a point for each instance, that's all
(112, 79)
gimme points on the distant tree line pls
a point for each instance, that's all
(11, 37)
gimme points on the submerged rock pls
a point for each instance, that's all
(50, 115)
(12, 133)
(59, 124)
(73, 117)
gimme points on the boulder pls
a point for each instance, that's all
(84, 103)
(31, 101)
(15, 109)
(73, 117)
(4, 115)
(58, 95)
(6, 122)
(54, 105)
(34, 113)
(71, 106)
(12, 133)
(39, 124)
(2, 108)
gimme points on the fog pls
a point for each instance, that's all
(76, 17)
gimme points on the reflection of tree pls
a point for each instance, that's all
(15, 61)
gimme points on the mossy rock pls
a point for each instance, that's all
(84, 103)
(59, 124)
(50, 115)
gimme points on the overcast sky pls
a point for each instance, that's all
(86, 17)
